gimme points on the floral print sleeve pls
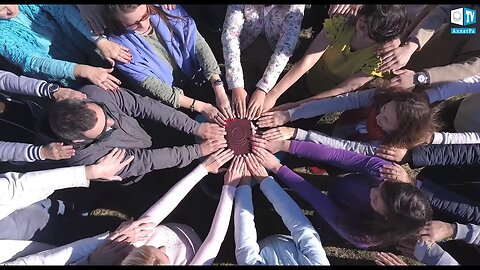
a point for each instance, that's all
(232, 28)
(289, 35)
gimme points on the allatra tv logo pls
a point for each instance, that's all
(463, 17)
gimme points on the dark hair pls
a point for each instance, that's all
(383, 23)
(408, 210)
(417, 120)
(116, 28)
(70, 118)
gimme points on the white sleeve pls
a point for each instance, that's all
(19, 190)
(65, 254)
(13, 249)
(456, 138)
(303, 233)
(432, 254)
(165, 205)
(208, 251)
(443, 91)
(10, 82)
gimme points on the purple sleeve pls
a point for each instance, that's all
(340, 158)
(322, 204)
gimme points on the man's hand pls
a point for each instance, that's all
(113, 51)
(269, 161)
(92, 16)
(255, 106)
(67, 93)
(387, 258)
(395, 172)
(212, 113)
(209, 146)
(56, 151)
(399, 155)
(239, 102)
(279, 134)
(235, 172)
(436, 231)
(395, 57)
(255, 168)
(108, 166)
(272, 146)
(273, 119)
(211, 131)
(403, 80)
(217, 159)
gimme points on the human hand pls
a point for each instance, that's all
(132, 231)
(234, 172)
(392, 153)
(387, 258)
(279, 134)
(212, 113)
(395, 172)
(56, 151)
(217, 159)
(403, 80)
(211, 145)
(267, 159)
(101, 77)
(272, 146)
(108, 166)
(395, 57)
(436, 231)
(343, 9)
(255, 168)
(169, 6)
(67, 93)
(239, 102)
(273, 119)
(211, 131)
(255, 106)
(223, 104)
(92, 16)
(113, 51)
(246, 179)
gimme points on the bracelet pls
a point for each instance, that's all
(217, 82)
(192, 106)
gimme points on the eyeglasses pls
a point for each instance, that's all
(136, 24)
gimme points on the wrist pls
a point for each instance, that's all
(453, 230)
(198, 106)
(90, 172)
(80, 71)
(412, 44)
(42, 153)
(276, 168)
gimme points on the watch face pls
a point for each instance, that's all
(422, 78)
(53, 87)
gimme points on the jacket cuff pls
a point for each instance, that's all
(437, 138)
(462, 231)
(33, 153)
(301, 134)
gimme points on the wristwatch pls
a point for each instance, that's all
(52, 88)
(421, 78)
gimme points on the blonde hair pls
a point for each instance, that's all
(144, 255)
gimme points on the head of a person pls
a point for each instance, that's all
(147, 255)
(406, 117)
(382, 23)
(133, 17)
(78, 120)
(401, 210)
(8, 11)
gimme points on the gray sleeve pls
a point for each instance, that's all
(206, 58)
(138, 106)
(469, 233)
(317, 137)
(432, 254)
(349, 101)
(164, 92)
(10, 151)
(10, 82)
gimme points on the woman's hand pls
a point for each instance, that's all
(56, 151)
(212, 113)
(269, 161)
(209, 146)
(235, 172)
(272, 146)
(101, 77)
(211, 131)
(270, 100)
(255, 106)
(403, 80)
(217, 159)
(395, 172)
(255, 168)
(273, 119)
(395, 57)
(387, 258)
(67, 93)
(239, 102)
(279, 134)
(436, 231)
(113, 51)
(107, 167)
(223, 104)
(391, 153)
